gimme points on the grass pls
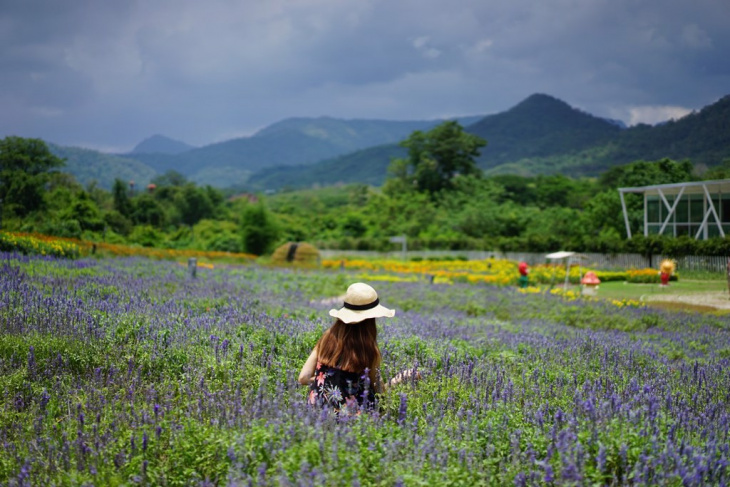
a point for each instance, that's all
(703, 275)
(651, 294)
(624, 290)
(680, 306)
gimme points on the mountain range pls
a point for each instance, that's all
(540, 135)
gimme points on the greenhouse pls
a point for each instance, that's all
(699, 209)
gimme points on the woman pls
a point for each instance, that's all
(343, 370)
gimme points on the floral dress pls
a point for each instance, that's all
(345, 392)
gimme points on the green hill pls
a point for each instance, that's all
(703, 137)
(539, 126)
(367, 166)
(347, 135)
(90, 165)
(291, 142)
(542, 135)
(159, 144)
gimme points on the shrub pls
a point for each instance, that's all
(37, 245)
(146, 236)
(300, 253)
(647, 276)
(60, 228)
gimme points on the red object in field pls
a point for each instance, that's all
(522, 267)
(664, 276)
(590, 279)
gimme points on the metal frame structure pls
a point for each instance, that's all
(570, 259)
(707, 189)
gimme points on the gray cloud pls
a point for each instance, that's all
(108, 74)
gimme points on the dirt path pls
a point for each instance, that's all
(714, 299)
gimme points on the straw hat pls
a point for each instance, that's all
(361, 303)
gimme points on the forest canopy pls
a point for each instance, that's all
(435, 196)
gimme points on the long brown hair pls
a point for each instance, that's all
(351, 347)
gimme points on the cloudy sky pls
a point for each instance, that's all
(107, 74)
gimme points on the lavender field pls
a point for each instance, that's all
(127, 371)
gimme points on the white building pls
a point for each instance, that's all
(698, 209)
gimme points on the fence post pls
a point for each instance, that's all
(192, 267)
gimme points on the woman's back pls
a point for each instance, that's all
(342, 370)
(352, 347)
(340, 389)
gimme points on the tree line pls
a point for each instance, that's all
(435, 195)
(171, 212)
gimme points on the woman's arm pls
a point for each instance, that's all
(408, 374)
(307, 373)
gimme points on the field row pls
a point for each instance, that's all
(129, 371)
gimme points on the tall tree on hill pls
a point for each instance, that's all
(437, 156)
(24, 170)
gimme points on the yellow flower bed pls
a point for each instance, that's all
(572, 295)
(37, 245)
(387, 278)
(32, 243)
(497, 272)
(154, 253)
(630, 303)
(647, 276)
(490, 271)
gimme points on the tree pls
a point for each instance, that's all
(353, 226)
(400, 214)
(643, 173)
(22, 193)
(471, 208)
(148, 211)
(30, 156)
(122, 202)
(554, 190)
(194, 204)
(259, 230)
(170, 178)
(218, 235)
(437, 156)
(718, 172)
(518, 189)
(604, 211)
(24, 168)
(84, 210)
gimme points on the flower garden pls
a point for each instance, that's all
(499, 272)
(128, 371)
(34, 244)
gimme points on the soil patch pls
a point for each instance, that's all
(707, 301)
